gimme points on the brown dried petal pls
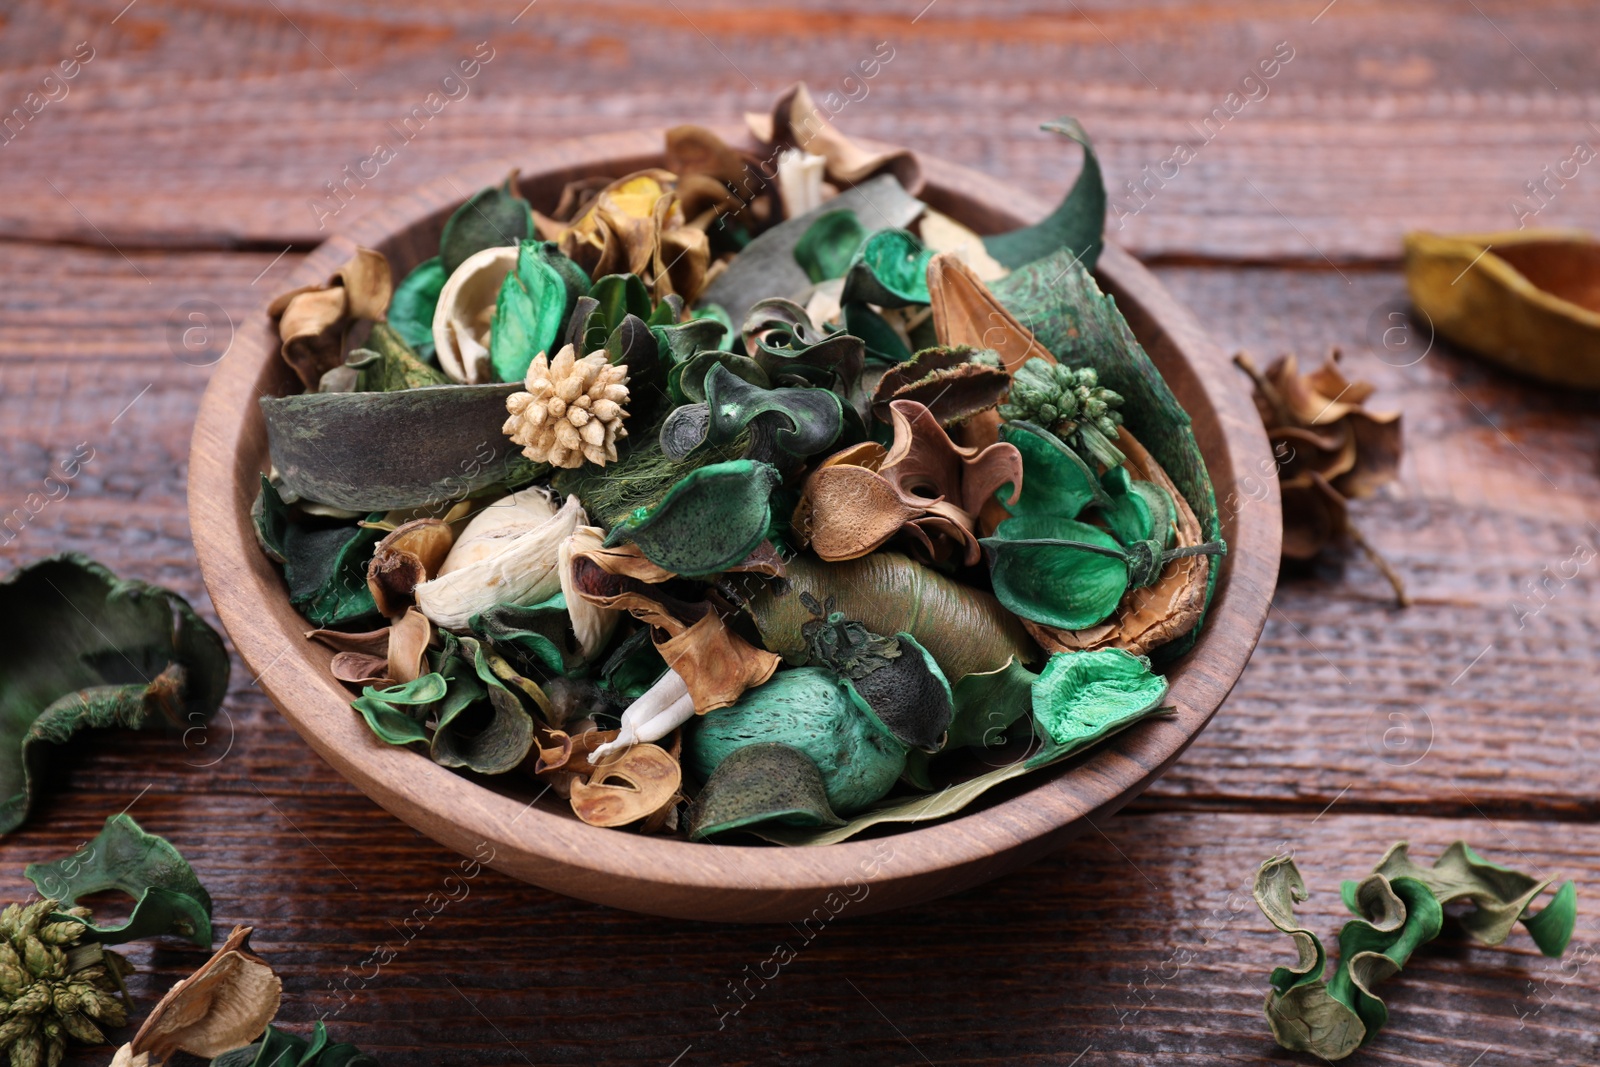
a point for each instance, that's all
(311, 320)
(798, 122)
(635, 785)
(224, 1005)
(358, 668)
(954, 393)
(410, 555)
(408, 641)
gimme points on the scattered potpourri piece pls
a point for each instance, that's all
(1399, 907)
(712, 496)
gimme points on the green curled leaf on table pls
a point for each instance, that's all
(783, 425)
(279, 1048)
(412, 306)
(1398, 908)
(490, 218)
(890, 270)
(168, 897)
(82, 649)
(709, 521)
(1076, 227)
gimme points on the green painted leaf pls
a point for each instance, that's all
(396, 714)
(324, 562)
(890, 270)
(908, 696)
(718, 314)
(883, 344)
(168, 898)
(529, 314)
(490, 218)
(536, 639)
(412, 306)
(809, 709)
(1055, 479)
(712, 519)
(686, 381)
(1076, 227)
(782, 339)
(1047, 569)
(762, 783)
(783, 424)
(1077, 693)
(83, 649)
(490, 736)
(987, 704)
(679, 341)
(359, 451)
(279, 1048)
(829, 245)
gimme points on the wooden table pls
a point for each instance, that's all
(180, 171)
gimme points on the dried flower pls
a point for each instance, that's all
(52, 988)
(1070, 402)
(572, 410)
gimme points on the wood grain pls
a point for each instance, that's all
(211, 123)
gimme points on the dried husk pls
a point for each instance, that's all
(465, 313)
(509, 560)
(637, 784)
(224, 1005)
(798, 122)
(312, 319)
(1150, 617)
(636, 225)
(410, 555)
(1527, 299)
(592, 624)
(409, 638)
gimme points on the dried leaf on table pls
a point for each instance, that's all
(279, 1048)
(1330, 449)
(312, 320)
(224, 1004)
(82, 649)
(168, 898)
(1527, 299)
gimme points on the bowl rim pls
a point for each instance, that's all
(664, 875)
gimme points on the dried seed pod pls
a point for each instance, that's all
(571, 410)
(465, 311)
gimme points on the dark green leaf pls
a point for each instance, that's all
(359, 451)
(81, 649)
(536, 639)
(492, 217)
(388, 363)
(680, 341)
(168, 898)
(783, 424)
(324, 564)
(781, 337)
(1075, 227)
(712, 519)
(412, 306)
(633, 666)
(686, 381)
(883, 344)
(490, 737)
(761, 783)
(908, 695)
(891, 271)
(828, 246)
(718, 314)
(987, 704)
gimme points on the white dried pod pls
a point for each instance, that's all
(497, 525)
(800, 182)
(591, 623)
(465, 311)
(525, 569)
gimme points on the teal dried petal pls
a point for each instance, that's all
(987, 704)
(412, 306)
(395, 714)
(1075, 228)
(768, 783)
(490, 218)
(1079, 693)
(1055, 479)
(890, 270)
(529, 314)
(1046, 569)
(780, 336)
(809, 709)
(83, 649)
(168, 897)
(828, 246)
(784, 425)
(712, 519)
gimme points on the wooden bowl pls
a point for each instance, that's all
(535, 840)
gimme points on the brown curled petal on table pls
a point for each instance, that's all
(798, 122)
(410, 555)
(636, 784)
(1378, 445)
(1147, 618)
(225, 1004)
(409, 638)
(1330, 450)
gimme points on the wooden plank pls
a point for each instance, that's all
(1389, 116)
(1140, 943)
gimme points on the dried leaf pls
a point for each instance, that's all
(408, 556)
(762, 783)
(1074, 227)
(415, 299)
(635, 785)
(409, 638)
(828, 247)
(798, 122)
(82, 649)
(324, 564)
(490, 218)
(782, 426)
(890, 270)
(1527, 299)
(713, 518)
(226, 1003)
(168, 898)
(945, 381)
(312, 320)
